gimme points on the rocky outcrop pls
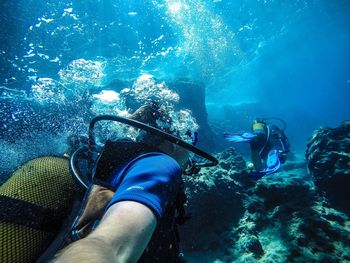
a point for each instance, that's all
(215, 202)
(328, 155)
(192, 96)
(286, 221)
(279, 218)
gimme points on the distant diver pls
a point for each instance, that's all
(268, 143)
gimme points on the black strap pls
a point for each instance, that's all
(64, 234)
(155, 131)
(24, 213)
(114, 156)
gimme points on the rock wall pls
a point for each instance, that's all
(328, 155)
(192, 96)
(280, 218)
(215, 202)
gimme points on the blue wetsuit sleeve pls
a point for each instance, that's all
(151, 179)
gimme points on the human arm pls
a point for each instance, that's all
(121, 240)
(151, 182)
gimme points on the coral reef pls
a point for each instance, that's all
(328, 155)
(279, 218)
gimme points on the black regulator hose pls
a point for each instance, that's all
(155, 131)
(278, 119)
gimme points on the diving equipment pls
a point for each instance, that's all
(273, 164)
(43, 194)
(154, 131)
(284, 127)
(91, 152)
(35, 202)
(263, 126)
(250, 166)
(239, 137)
(259, 126)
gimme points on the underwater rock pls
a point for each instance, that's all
(192, 96)
(252, 244)
(328, 155)
(279, 218)
(214, 202)
(291, 222)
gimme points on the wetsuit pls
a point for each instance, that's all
(269, 150)
(152, 179)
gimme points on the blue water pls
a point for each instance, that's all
(255, 58)
(274, 58)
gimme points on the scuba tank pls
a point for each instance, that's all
(34, 204)
(263, 127)
(259, 126)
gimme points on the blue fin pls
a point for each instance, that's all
(239, 137)
(273, 165)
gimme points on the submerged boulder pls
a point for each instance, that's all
(328, 156)
(215, 203)
(279, 218)
(192, 96)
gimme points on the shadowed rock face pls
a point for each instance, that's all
(215, 202)
(328, 156)
(279, 218)
(192, 96)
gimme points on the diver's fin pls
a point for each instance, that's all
(273, 165)
(239, 137)
(273, 161)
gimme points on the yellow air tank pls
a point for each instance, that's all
(259, 127)
(34, 202)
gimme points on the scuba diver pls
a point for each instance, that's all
(268, 143)
(120, 202)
